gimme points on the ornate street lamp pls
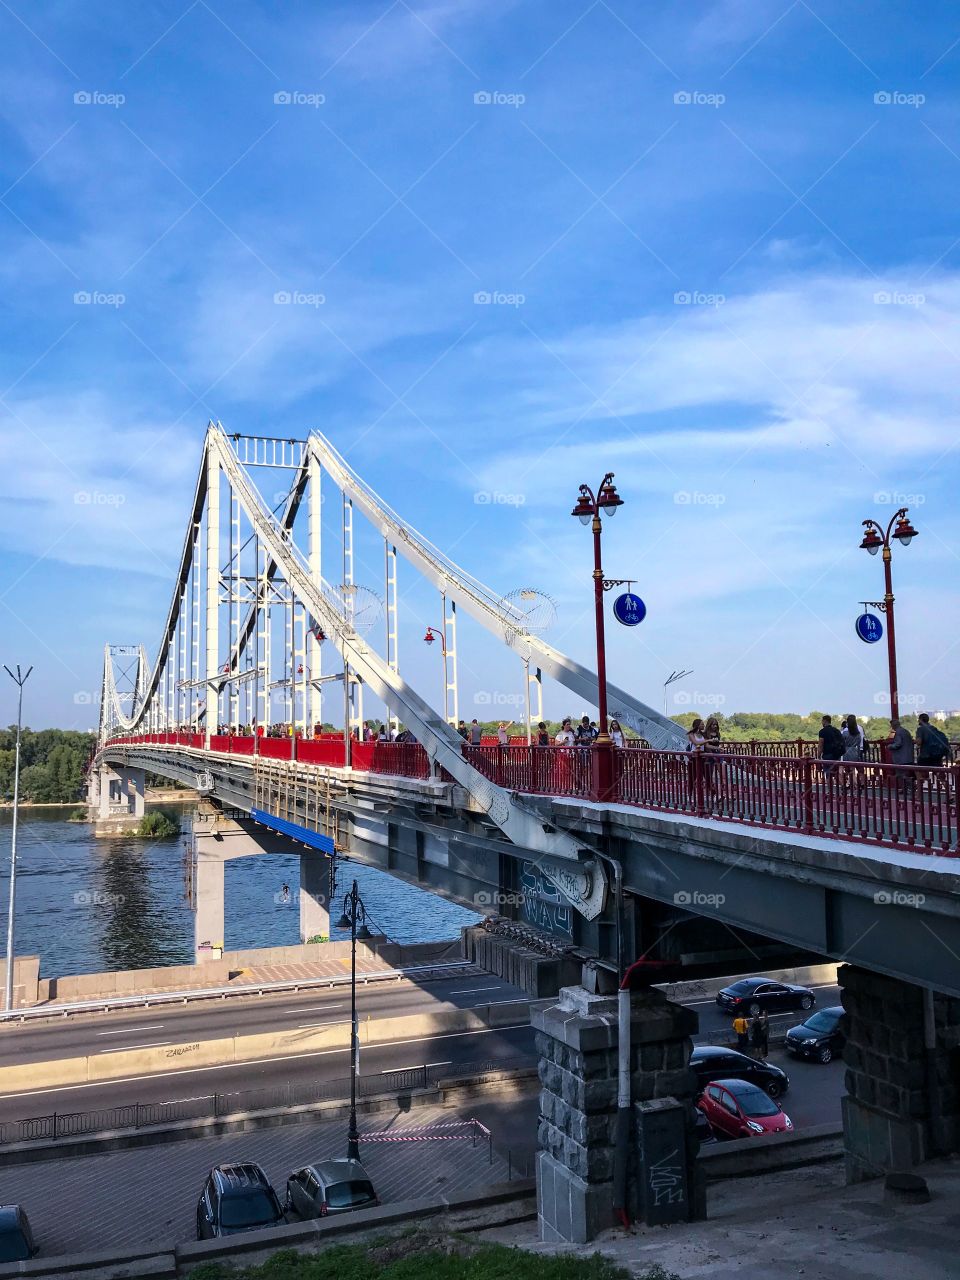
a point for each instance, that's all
(432, 633)
(587, 510)
(876, 537)
(354, 918)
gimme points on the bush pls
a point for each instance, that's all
(158, 824)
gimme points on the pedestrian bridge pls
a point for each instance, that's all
(615, 850)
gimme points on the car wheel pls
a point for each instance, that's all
(806, 1002)
(826, 1054)
(754, 1008)
(774, 1089)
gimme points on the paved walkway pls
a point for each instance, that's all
(802, 1223)
(149, 1195)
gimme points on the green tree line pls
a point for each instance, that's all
(51, 764)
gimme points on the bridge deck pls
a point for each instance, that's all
(901, 806)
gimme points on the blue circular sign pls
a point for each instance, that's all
(629, 609)
(869, 628)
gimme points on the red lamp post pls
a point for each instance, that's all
(875, 537)
(587, 511)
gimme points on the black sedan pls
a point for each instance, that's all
(709, 1062)
(820, 1037)
(750, 995)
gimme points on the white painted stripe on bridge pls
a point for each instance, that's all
(127, 1048)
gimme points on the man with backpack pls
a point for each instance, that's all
(933, 745)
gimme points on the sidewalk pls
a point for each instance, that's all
(805, 1222)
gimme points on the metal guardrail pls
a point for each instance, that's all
(443, 968)
(214, 1106)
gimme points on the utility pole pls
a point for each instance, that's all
(20, 681)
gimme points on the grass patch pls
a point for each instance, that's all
(437, 1255)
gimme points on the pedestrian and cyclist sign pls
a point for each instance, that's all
(629, 609)
(869, 628)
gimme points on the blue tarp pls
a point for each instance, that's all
(293, 829)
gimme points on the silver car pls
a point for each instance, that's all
(332, 1186)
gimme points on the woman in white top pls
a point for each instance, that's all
(616, 734)
(565, 738)
(695, 736)
(503, 736)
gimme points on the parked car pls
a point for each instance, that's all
(737, 1109)
(235, 1198)
(819, 1037)
(16, 1238)
(332, 1186)
(750, 995)
(708, 1062)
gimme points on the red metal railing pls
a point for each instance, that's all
(909, 806)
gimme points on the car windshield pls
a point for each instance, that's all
(252, 1209)
(342, 1195)
(754, 1102)
(745, 986)
(13, 1246)
(822, 1021)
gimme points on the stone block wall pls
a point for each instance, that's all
(577, 1044)
(903, 1103)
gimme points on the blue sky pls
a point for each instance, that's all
(720, 247)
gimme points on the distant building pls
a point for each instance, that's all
(940, 716)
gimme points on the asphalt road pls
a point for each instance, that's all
(716, 1021)
(78, 1035)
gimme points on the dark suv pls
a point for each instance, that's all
(709, 1062)
(237, 1197)
(820, 1037)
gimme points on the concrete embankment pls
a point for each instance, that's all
(296, 1043)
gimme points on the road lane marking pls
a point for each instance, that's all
(125, 1048)
(254, 1062)
(330, 1022)
(472, 991)
(320, 1008)
(126, 1031)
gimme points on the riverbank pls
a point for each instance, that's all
(160, 795)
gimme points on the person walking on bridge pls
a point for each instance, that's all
(900, 751)
(475, 733)
(831, 744)
(933, 745)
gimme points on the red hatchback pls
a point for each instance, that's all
(736, 1109)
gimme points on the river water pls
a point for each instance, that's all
(86, 905)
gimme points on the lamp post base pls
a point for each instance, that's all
(603, 767)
